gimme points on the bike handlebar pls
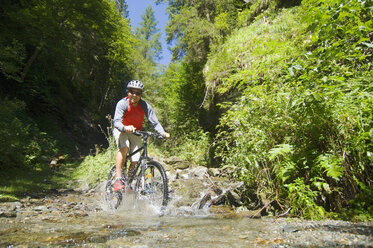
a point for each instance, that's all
(147, 133)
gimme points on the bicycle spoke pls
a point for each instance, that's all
(152, 185)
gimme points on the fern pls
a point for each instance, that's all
(284, 167)
(331, 165)
(280, 150)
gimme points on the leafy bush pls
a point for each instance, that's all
(303, 200)
(23, 144)
(95, 168)
(192, 147)
(300, 123)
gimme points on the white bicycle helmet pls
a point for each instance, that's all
(135, 84)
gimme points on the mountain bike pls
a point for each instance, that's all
(147, 181)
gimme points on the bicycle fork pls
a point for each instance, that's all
(147, 179)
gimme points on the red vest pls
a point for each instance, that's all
(134, 116)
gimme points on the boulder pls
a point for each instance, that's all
(214, 172)
(199, 172)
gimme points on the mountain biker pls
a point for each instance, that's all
(128, 117)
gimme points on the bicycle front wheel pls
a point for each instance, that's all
(113, 198)
(152, 184)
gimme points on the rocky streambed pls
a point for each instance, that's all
(194, 218)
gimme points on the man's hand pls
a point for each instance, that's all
(166, 135)
(129, 129)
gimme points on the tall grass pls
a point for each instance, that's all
(95, 167)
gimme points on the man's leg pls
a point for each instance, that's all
(119, 160)
(135, 142)
(131, 168)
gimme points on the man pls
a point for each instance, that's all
(128, 117)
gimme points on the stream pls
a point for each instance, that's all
(80, 218)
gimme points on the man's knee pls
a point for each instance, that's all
(123, 150)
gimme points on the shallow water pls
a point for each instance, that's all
(74, 219)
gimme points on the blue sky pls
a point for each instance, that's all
(137, 7)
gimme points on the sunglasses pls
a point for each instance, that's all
(133, 92)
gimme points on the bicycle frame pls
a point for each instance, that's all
(141, 180)
(143, 157)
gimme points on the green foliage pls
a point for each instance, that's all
(284, 166)
(303, 200)
(254, 53)
(297, 97)
(148, 50)
(331, 165)
(23, 145)
(184, 92)
(148, 35)
(123, 8)
(66, 60)
(180, 94)
(340, 30)
(285, 94)
(25, 154)
(18, 183)
(95, 168)
(192, 147)
(195, 25)
(12, 58)
(60, 54)
(360, 208)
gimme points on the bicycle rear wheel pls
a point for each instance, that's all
(113, 198)
(152, 184)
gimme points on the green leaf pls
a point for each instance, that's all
(331, 165)
(280, 150)
(370, 45)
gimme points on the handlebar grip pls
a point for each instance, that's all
(137, 133)
(146, 133)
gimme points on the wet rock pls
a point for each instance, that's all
(173, 160)
(171, 176)
(8, 214)
(41, 208)
(10, 209)
(199, 172)
(78, 214)
(182, 165)
(83, 186)
(182, 174)
(53, 208)
(8, 206)
(99, 188)
(290, 228)
(234, 198)
(177, 163)
(214, 172)
(223, 211)
(98, 239)
(226, 170)
(17, 205)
